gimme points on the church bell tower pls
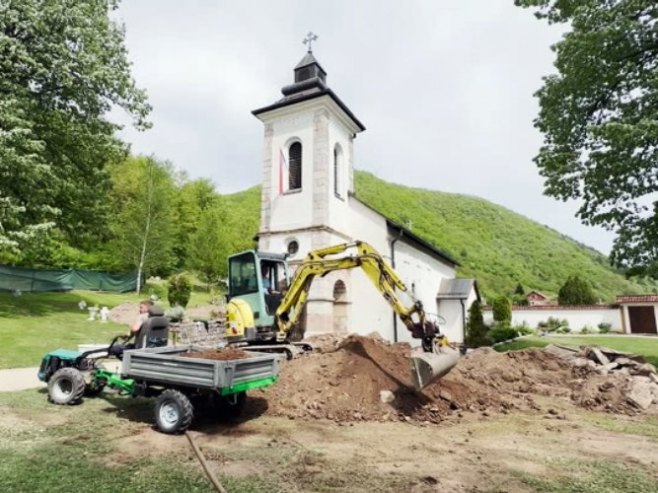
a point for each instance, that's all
(307, 164)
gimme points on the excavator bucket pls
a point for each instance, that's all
(427, 367)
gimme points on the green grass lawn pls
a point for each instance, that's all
(36, 323)
(645, 346)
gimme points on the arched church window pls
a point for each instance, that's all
(340, 291)
(293, 247)
(338, 157)
(295, 166)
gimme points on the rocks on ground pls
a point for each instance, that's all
(368, 379)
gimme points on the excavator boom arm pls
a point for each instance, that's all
(376, 269)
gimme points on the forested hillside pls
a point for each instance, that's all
(498, 247)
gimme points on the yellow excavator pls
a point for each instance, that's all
(265, 303)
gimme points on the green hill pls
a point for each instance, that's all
(498, 247)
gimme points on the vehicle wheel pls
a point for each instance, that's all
(232, 405)
(66, 386)
(173, 412)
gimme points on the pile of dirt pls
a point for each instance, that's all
(366, 378)
(126, 313)
(217, 354)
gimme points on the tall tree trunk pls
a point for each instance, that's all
(147, 226)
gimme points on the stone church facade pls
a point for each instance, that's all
(308, 202)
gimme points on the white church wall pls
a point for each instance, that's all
(422, 273)
(368, 311)
(292, 209)
(339, 207)
(454, 315)
(451, 311)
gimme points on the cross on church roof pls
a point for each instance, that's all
(310, 37)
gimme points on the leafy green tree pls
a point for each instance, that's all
(575, 291)
(519, 290)
(209, 245)
(476, 330)
(502, 310)
(193, 200)
(599, 119)
(63, 66)
(143, 191)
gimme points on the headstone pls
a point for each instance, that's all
(105, 313)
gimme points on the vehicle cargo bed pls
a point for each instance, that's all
(166, 366)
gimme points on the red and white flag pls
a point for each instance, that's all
(282, 166)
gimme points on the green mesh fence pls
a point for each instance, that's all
(27, 280)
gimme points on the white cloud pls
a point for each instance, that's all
(444, 88)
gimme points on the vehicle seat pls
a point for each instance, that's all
(154, 332)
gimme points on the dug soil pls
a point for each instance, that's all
(356, 380)
(217, 354)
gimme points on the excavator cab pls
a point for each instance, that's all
(257, 282)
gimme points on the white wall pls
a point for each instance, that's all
(577, 318)
(451, 311)
(292, 209)
(368, 311)
(422, 273)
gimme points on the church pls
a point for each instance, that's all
(308, 202)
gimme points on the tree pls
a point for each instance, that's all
(143, 191)
(64, 67)
(208, 246)
(599, 117)
(194, 198)
(502, 311)
(575, 291)
(476, 330)
(519, 290)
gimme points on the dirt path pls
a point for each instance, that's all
(505, 453)
(15, 379)
(19, 379)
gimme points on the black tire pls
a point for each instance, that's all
(66, 386)
(173, 411)
(231, 406)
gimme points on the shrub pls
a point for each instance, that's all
(575, 291)
(175, 313)
(476, 330)
(553, 324)
(502, 311)
(587, 330)
(155, 291)
(563, 330)
(524, 329)
(502, 332)
(180, 289)
(605, 328)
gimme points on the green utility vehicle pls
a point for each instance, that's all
(163, 372)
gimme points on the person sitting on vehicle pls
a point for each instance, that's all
(265, 275)
(149, 329)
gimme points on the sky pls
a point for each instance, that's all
(444, 88)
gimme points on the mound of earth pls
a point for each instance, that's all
(366, 378)
(124, 313)
(217, 354)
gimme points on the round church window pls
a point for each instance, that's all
(293, 247)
